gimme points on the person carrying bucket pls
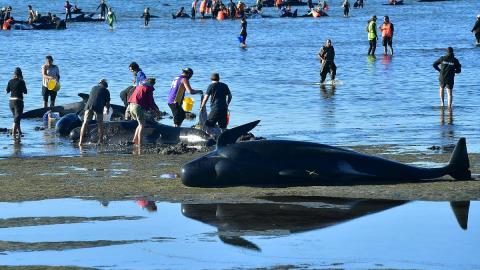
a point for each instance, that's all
(221, 98)
(50, 76)
(177, 94)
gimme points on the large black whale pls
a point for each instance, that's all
(292, 163)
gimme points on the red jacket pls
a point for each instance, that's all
(143, 96)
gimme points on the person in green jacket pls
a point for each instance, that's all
(111, 18)
(372, 35)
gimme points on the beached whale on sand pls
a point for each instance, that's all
(290, 215)
(293, 163)
(117, 132)
(75, 107)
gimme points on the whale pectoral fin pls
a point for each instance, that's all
(346, 170)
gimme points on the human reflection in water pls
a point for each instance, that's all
(327, 93)
(150, 206)
(386, 60)
(289, 215)
(442, 116)
(371, 59)
(17, 148)
(447, 129)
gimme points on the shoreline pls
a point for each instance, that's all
(156, 177)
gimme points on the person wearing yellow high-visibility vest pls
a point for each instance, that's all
(372, 35)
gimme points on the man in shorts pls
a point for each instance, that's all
(387, 34)
(140, 102)
(98, 100)
(449, 66)
(221, 98)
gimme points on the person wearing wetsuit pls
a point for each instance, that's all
(387, 34)
(177, 92)
(138, 78)
(449, 66)
(142, 101)
(346, 8)
(194, 9)
(232, 9)
(98, 101)
(17, 88)
(243, 31)
(103, 9)
(49, 72)
(327, 57)
(310, 4)
(146, 16)
(476, 29)
(372, 35)
(221, 98)
(68, 10)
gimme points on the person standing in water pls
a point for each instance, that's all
(372, 35)
(111, 18)
(31, 14)
(449, 66)
(17, 88)
(146, 16)
(221, 98)
(98, 101)
(49, 72)
(103, 9)
(346, 8)
(327, 57)
(68, 10)
(177, 92)
(194, 9)
(387, 34)
(243, 32)
(476, 29)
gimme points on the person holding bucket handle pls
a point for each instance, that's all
(221, 98)
(177, 94)
(49, 72)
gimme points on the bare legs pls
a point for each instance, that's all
(137, 138)
(449, 95)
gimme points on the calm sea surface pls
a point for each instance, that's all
(276, 79)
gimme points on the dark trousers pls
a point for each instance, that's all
(16, 107)
(178, 113)
(328, 67)
(373, 46)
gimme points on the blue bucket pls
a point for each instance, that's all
(240, 39)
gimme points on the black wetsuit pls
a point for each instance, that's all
(327, 54)
(146, 18)
(346, 9)
(103, 9)
(218, 92)
(17, 88)
(449, 66)
(233, 10)
(476, 30)
(243, 32)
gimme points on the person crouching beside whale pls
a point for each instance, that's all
(140, 102)
(17, 88)
(177, 93)
(221, 98)
(98, 100)
(49, 72)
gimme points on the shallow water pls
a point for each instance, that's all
(320, 233)
(379, 101)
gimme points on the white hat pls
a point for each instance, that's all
(478, 16)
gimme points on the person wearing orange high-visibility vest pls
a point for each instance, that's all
(387, 34)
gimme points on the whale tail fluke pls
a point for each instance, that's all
(230, 136)
(459, 163)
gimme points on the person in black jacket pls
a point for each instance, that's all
(17, 88)
(476, 29)
(449, 65)
(327, 57)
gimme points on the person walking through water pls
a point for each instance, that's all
(346, 8)
(146, 16)
(221, 98)
(476, 29)
(103, 9)
(387, 34)
(49, 72)
(372, 35)
(194, 9)
(243, 32)
(111, 18)
(449, 66)
(98, 101)
(177, 92)
(327, 57)
(68, 10)
(17, 88)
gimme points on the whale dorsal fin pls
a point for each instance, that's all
(84, 96)
(230, 136)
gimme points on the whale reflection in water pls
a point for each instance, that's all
(289, 215)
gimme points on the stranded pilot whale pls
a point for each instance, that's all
(293, 163)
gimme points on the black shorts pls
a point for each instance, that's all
(448, 85)
(16, 107)
(48, 93)
(387, 41)
(178, 113)
(217, 116)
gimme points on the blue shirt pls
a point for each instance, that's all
(140, 78)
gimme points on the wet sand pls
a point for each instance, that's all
(156, 176)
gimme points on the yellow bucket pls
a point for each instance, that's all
(53, 85)
(188, 104)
